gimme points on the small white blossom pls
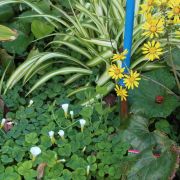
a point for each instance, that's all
(2, 122)
(62, 160)
(35, 151)
(51, 134)
(72, 114)
(30, 103)
(65, 108)
(61, 134)
(87, 170)
(82, 123)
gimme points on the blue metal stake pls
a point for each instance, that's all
(128, 37)
(128, 34)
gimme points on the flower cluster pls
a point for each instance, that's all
(159, 15)
(130, 79)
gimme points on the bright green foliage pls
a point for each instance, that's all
(6, 34)
(40, 29)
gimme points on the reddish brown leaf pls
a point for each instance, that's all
(40, 170)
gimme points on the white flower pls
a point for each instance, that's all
(30, 103)
(35, 151)
(2, 122)
(61, 134)
(82, 123)
(87, 170)
(72, 114)
(51, 134)
(65, 108)
(62, 160)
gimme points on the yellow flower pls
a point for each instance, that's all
(153, 27)
(122, 92)
(174, 12)
(120, 56)
(115, 72)
(132, 80)
(152, 50)
(161, 3)
(147, 6)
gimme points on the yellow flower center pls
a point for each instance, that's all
(132, 79)
(117, 71)
(153, 29)
(150, 2)
(152, 50)
(176, 10)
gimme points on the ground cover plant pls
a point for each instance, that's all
(70, 107)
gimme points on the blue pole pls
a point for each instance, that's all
(128, 34)
(128, 37)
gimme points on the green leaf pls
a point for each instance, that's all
(25, 170)
(19, 45)
(62, 71)
(145, 164)
(41, 28)
(154, 84)
(164, 126)
(6, 34)
(31, 138)
(86, 112)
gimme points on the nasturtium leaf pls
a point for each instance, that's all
(144, 98)
(41, 28)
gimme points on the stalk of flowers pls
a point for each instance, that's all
(129, 80)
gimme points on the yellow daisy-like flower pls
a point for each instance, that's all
(115, 72)
(161, 3)
(132, 80)
(122, 92)
(147, 6)
(153, 27)
(174, 12)
(120, 56)
(152, 50)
